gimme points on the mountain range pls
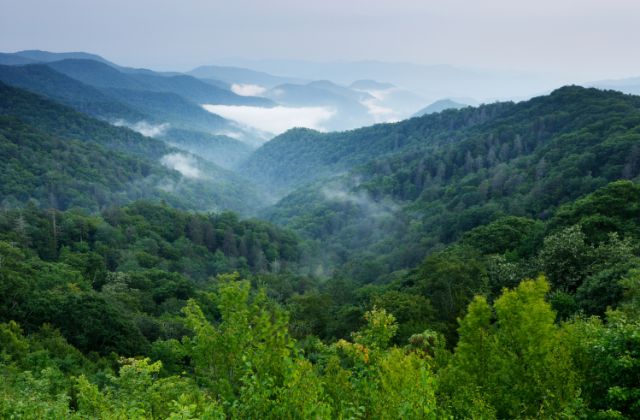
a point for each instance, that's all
(432, 82)
(467, 262)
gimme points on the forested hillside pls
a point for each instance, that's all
(149, 102)
(300, 156)
(64, 159)
(108, 281)
(526, 160)
(42, 80)
(474, 263)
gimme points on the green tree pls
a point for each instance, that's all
(515, 364)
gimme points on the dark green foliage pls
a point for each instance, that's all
(450, 279)
(43, 80)
(171, 108)
(615, 208)
(106, 282)
(64, 159)
(302, 155)
(61, 121)
(606, 355)
(507, 234)
(445, 174)
(62, 173)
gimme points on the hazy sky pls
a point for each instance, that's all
(584, 38)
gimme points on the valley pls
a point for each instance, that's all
(239, 242)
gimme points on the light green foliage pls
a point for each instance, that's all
(380, 329)
(406, 387)
(366, 378)
(249, 339)
(137, 392)
(511, 361)
(13, 346)
(32, 396)
(528, 354)
(515, 364)
(247, 359)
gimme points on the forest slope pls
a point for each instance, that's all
(524, 160)
(104, 164)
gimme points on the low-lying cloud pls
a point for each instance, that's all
(377, 106)
(247, 89)
(370, 207)
(379, 112)
(233, 134)
(182, 163)
(277, 119)
(143, 127)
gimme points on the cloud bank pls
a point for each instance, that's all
(369, 207)
(182, 163)
(275, 120)
(379, 112)
(143, 127)
(378, 107)
(247, 89)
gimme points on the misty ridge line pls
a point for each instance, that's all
(380, 101)
(360, 103)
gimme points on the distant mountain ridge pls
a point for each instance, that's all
(100, 75)
(47, 56)
(300, 157)
(102, 90)
(429, 81)
(368, 84)
(240, 75)
(42, 79)
(439, 106)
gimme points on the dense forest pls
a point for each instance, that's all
(129, 314)
(472, 263)
(522, 159)
(64, 159)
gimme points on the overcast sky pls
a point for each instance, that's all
(583, 38)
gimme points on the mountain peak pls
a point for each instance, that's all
(439, 106)
(48, 56)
